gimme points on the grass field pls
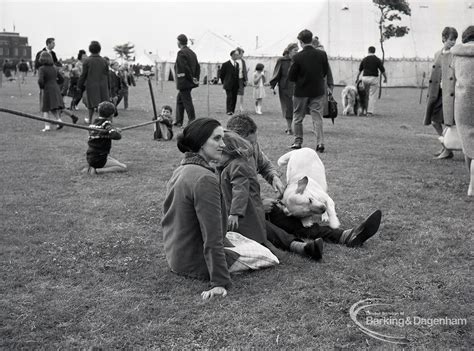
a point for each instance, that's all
(82, 261)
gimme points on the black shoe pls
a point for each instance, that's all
(59, 126)
(230, 113)
(74, 119)
(314, 249)
(295, 146)
(177, 124)
(320, 148)
(365, 230)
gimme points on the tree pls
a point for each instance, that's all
(125, 51)
(390, 11)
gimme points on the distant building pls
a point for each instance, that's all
(14, 47)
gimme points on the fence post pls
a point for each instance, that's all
(163, 72)
(208, 89)
(422, 85)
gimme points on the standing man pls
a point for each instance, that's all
(229, 76)
(371, 65)
(243, 78)
(115, 84)
(308, 71)
(23, 69)
(187, 71)
(50, 44)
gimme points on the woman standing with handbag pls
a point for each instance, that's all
(285, 87)
(463, 64)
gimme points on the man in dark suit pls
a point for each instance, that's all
(187, 71)
(50, 44)
(229, 76)
(308, 71)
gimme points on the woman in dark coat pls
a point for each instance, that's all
(193, 226)
(285, 87)
(48, 79)
(94, 79)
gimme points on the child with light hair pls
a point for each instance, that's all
(258, 89)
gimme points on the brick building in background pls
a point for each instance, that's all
(14, 47)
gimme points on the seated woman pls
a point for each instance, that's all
(193, 238)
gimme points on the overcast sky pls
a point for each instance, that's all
(150, 25)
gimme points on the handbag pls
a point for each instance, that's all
(451, 139)
(332, 108)
(244, 254)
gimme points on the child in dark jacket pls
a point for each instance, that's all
(243, 205)
(100, 142)
(164, 126)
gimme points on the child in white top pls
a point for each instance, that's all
(258, 88)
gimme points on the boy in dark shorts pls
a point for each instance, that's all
(100, 142)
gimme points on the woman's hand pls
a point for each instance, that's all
(209, 294)
(232, 222)
(278, 186)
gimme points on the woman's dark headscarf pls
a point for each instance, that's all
(195, 135)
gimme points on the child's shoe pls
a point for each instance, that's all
(92, 171)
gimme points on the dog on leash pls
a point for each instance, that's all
(354, 99)
(306, 194)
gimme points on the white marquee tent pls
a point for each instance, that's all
(214, 48)
(145, 59)
(347, 28)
